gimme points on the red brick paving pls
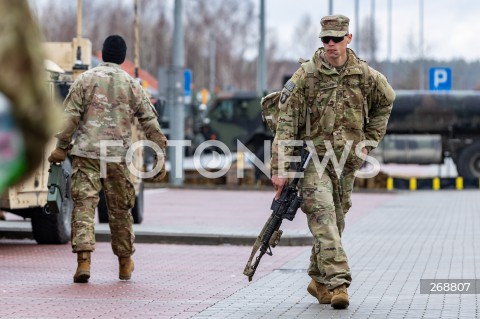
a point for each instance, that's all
(169, 281)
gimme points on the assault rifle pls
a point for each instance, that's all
(285, 207)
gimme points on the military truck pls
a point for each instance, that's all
(428, 126)
(425, 127)
(236, 116)
(28, 199)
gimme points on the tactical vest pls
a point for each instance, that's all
(270, 103)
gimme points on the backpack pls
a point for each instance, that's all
(270, 103)
(270, 110)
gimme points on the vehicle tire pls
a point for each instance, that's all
(468, 163)
(54, 229)
(102, 208)
(137, 210)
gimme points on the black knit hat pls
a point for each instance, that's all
(114, 49)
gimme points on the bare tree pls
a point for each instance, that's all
(155, 35)
(369, 44)
(231, 24)
(59, 23)
(234, 25)
(305, 37)
(99, 21)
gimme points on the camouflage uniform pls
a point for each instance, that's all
(337, 115)
(23, 82)
(101, 105)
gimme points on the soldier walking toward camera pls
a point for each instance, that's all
(334, 100)
(101, 106)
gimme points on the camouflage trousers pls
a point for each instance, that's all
(120, 197)
(326, 200)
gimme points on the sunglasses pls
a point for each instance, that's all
(326, 40)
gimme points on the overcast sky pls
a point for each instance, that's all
(451, 27)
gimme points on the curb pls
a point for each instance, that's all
(204, 239)
(101, 235)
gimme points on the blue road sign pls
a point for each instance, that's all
(440, 79)
(187, 74)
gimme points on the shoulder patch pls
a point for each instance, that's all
(290, 85)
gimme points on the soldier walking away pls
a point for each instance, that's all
(101, 106)
(27, 115)
(332, 100)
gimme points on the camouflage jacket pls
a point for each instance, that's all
(338, 111)
(101, 105)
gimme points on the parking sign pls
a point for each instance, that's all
(440, 79)
(187, 75)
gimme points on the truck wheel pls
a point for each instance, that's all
(137, 210)
(54, 228)
(468, 164)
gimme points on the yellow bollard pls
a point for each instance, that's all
(459, 183)
(390, 183)
(436, 184)
(413, 184)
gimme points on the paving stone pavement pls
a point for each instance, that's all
(423, 235)
(410, 236)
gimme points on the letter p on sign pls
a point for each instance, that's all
(440, 79)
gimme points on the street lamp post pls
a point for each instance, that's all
(262, 63)
(421, 71)
(177, 119)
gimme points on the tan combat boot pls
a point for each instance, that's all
(319, 291)
(340, 297)
(126, 268)
(83, 269)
